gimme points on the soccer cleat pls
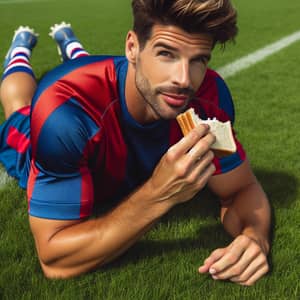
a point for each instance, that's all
(23, 37)
(63, 35)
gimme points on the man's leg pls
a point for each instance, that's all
(68, 45)
(18, 80)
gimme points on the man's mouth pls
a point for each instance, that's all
(177, 100)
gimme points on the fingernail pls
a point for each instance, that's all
(212, 271)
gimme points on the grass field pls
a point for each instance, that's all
(163, 265)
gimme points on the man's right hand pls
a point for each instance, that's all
(69, 248)
(185, 168)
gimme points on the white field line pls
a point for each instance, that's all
(253, 58)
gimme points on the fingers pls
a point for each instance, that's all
(222, 267)
(186, 144)
(253, 272)
(240, 253)
(242, 262)
(238, 268)
(257, 275)
(203, 167)
(215, 256)
(201, 147)
(185, 168)
(192, 157)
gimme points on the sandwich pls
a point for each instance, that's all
(224, 144)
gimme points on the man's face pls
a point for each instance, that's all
(170, 69)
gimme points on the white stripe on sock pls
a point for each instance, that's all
(70, 48)
(18, 57)
(17, 65)
(79, 53)
(19, 50)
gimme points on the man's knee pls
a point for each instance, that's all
(16, 91)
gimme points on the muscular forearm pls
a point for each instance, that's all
(249, 213)
(81, 247)
(69, 248)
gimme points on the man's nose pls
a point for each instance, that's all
(181, 75)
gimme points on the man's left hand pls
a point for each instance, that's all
(244, 261)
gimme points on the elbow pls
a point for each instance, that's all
(54, 265)
(54, 275)
(60, 270)
(51, 272)
(50, 266)
(54, 268)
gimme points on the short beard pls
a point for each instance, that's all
(143, 87)
(150, 95)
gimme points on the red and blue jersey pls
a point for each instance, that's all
(85, 147)
(15, 145)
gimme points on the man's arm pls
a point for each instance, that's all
(245, 214)
(70, 248)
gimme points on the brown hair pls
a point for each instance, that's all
(215, 17)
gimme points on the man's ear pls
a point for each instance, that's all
(132, 47)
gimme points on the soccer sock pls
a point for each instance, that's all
(75, 50)
(19, 61)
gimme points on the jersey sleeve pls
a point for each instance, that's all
(60, 184)
(225, 103)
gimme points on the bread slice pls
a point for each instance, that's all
(224, 144)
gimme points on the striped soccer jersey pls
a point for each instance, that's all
(85, 146)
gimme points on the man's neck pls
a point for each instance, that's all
(136, 105)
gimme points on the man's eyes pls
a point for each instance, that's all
(165, 53)
(201, 59)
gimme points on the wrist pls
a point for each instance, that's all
(258, 238)
(152, 196)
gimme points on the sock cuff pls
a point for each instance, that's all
(20, 51)
(73, 48)
(18, 68)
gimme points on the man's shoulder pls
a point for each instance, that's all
(91, 80)
(210, 82)
(83, 67)
(214, 97)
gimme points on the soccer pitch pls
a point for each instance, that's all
(163, 265)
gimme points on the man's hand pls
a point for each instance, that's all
(69, 248)
(244, 261)
(185, 168)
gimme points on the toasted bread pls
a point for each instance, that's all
(224, 144)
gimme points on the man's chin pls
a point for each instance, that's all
(172, 113)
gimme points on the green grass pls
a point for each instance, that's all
(163, 265)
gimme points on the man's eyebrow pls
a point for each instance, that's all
(163, 45)
(166, 46)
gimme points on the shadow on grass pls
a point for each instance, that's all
(280, 188)
(148, 249)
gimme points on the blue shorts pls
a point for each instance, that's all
(15, 145)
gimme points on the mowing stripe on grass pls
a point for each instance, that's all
(20, 1)
(253, 58)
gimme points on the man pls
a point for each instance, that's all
(103, 130)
